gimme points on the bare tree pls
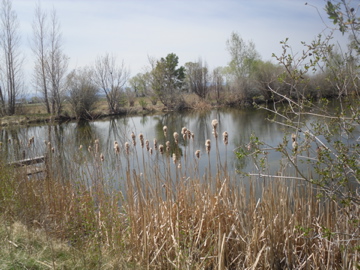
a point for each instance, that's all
(218, 83)
(11, 65)
(197, 78)
(40, 48)
(111, 78)
(56, 66)
(83, 93)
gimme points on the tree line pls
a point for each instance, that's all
(246, 80)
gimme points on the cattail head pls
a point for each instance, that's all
(53, 149)
(147, 144)
(133, 138)
(293, 137)
(184, 136)
(155, 144)
(89, 148)
(102, 158)
(150, 151)
(188, 132)
(183, 130)
(214, 124)
(127, 148)
(161, 149)
(176, 137)
(174, 158)
(197, 154)
(179, 166)
(117, 148)
(208, 146)
(80, 147)
(167, 146)
(192, 136)
(226, 138)
(141, 138)
(165, 130)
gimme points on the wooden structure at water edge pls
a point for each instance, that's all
(32, 166)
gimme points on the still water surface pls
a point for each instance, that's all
(70, 143)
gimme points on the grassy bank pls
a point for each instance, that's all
(166, 221)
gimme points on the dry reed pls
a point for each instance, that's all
(186, 222)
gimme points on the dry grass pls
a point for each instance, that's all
(163, 221)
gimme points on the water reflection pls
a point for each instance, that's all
(63, 142)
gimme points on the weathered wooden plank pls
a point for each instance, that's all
(28, 161)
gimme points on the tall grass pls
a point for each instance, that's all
(166, 216)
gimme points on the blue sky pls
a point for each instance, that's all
(134, 30)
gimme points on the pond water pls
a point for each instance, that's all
(68, 145)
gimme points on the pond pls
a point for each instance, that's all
(84, 151)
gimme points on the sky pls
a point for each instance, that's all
(138, 29)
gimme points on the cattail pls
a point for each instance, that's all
(102, 158)
(127, 147)
(176, 137)
(167, 146)
(183, 130)
(208, 146)
(295, 146)
(80, 147)
(53, 149)
(179, 166)
(141, 138)
(226, 138)
(133, 137)
(89, 148)
(184, 136)
(214, 124)
(165, 130)
(188, 134)
(150, 151)
(192, 136)
(155, 144)
(293, 137)
(117, 148)
(147, 145)
(174, 158)
(161, 149)
(197, 154)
